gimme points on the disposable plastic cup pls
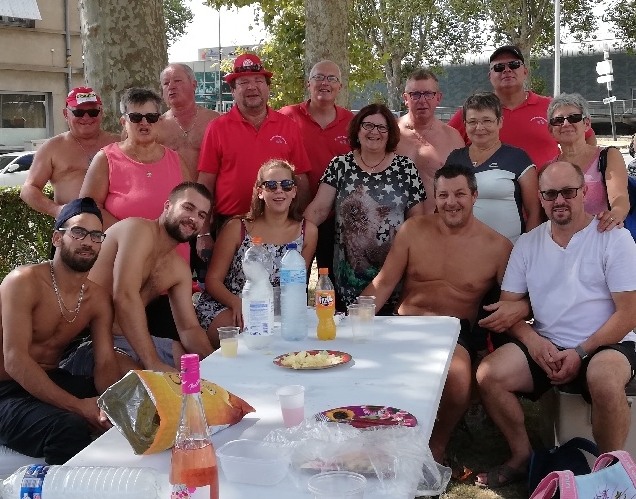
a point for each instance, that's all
(337, 485)
(292, 404)
(362, 317)
(228, 337)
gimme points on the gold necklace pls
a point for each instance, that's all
(419, 137)
(372, 168)
(194, 122)
(88, 156)
(60, 300)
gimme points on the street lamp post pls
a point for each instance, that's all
(606, 75)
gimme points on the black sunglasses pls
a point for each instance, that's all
(137, 117)
(252, 68)
(567, 193)
(272, 185)
(80, 233)
(79, 113)
(572, 118)
(500, 66)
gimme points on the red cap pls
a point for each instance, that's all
(82, 95)
(247, 64)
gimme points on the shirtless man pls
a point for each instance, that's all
(138, 261)
(464, 259)
(184, 124)
(424, 138)
(46, 411)
(63, 160)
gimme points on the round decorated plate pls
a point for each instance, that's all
(312, 359)
(364, 416)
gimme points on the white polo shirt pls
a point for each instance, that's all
(570, 287)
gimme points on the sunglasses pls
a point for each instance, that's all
(80, 233)
(567, 193)
(252, 68)
(572, 118)
(272, 185)
(79, 113)
(501, 66)
(137, 117)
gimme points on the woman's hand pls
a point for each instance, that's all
(610, 219)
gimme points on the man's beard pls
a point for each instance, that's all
(173, 228)
(74, 262)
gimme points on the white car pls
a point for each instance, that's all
(14, 168)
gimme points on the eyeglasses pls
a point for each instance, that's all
(272, 185)
(501, 66)
(368, 126)
(79, 113)
(487, 123)
(252, 68)
(427, 94)
(80, 233)
(321, 77)
(560, 120)
(137, 117)
(567, 193)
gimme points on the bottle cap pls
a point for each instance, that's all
(295, 246)
(258, 240)
(189, 361)
(323, 271)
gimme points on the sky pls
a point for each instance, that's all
(203, 32)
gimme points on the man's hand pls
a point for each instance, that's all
(570, 365)
(545, 354)
(96, 418)
(205, 243)
(504, 315)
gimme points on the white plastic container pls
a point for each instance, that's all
(68, 482)
(257, 297)
(293, 295)
(337, 485)
(251, 461)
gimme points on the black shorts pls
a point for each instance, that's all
(468, 340)
(541, 382)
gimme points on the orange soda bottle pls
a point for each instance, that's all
(325, 306)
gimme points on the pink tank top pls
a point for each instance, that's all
(141, 189)
(596, 197)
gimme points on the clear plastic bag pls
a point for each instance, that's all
(396, 460)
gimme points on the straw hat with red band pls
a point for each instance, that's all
(82, 95)
(245, 65)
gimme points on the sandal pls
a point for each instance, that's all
(509, 474)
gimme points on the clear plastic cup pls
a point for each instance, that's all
(292, 404)
(228, 338)
(362, 317)
(337, 485)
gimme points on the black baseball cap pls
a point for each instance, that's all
(77, 207)
(508, 49)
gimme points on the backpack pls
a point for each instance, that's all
(630, 220)
(568, 456)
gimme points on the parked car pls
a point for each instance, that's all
(14, 168)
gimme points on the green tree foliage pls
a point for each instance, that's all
(177, 16)
(622, 15)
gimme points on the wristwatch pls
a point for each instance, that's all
(582, 353)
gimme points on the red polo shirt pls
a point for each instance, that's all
(234, 150)
(322, 145)
(525, 127)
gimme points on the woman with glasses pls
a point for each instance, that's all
(569, 119)
(133, 178)
(506, 177)
(372, 190)
(274, 217)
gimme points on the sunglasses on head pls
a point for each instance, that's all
(272, 185)
(252, 68)
(500, 66)
(572, 118)
(79, 113)
(137, 117)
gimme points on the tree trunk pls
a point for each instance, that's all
(393, 72)
(124, 44)
(326, 37)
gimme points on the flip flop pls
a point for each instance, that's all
(510, 475)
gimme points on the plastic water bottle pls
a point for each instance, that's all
(258, 296)
(193, 463)
(325, 306)
(96, 482)
(293, 295)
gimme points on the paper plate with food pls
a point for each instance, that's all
(312, 359)
(364, 416)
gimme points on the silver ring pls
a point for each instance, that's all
(611, 219)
